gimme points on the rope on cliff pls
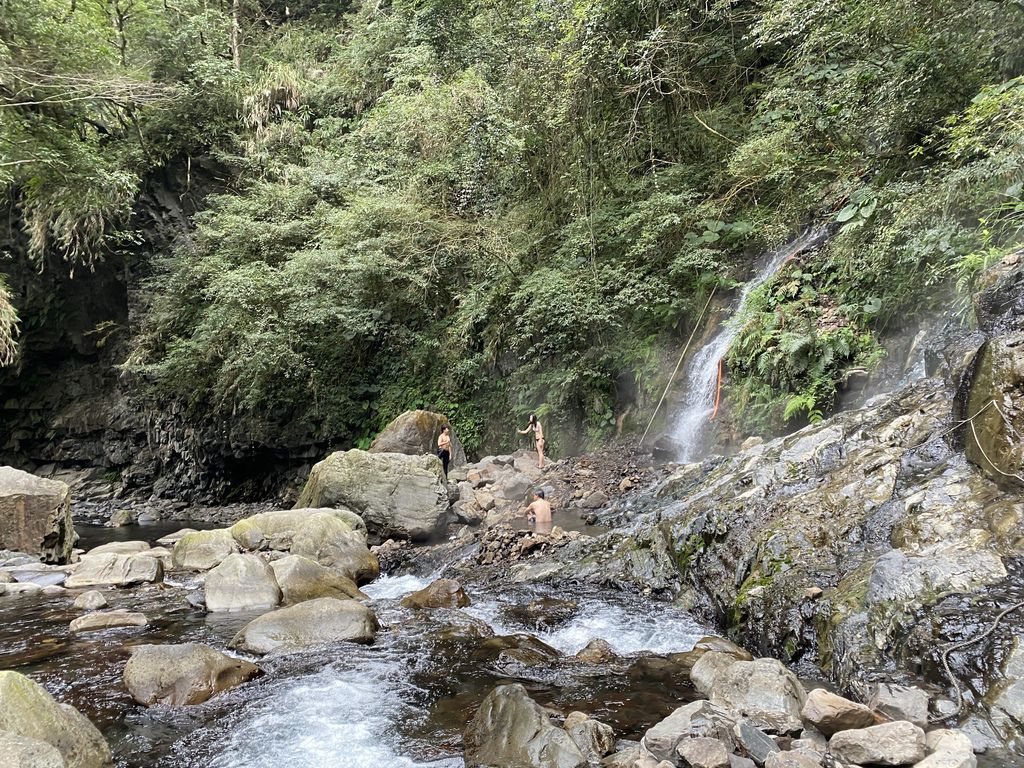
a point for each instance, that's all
(672, 378)
(963, 644)
(718, 390)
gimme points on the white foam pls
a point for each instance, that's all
(344, 715)
(628, 629)
(392, 587)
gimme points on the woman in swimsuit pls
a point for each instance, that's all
(538, 435)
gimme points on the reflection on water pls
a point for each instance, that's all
(566, 519)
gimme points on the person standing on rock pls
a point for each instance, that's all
(444, 447)
(538, 436)
(539, 513)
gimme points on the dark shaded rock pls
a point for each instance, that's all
(35, 516)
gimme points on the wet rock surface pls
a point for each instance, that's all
(184, 674)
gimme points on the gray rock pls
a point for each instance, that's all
(44, 576)
(241, 583)
(280, 526)
(28, 588)
(111, 569)
(792, 760)
(108, 620)
(119, 548)
(313, 622)
(702, 752)
(830, 713)
(763, 691)
(948, 760)
(900, 702)
(395, 494)
(898, 743)
(697, 719)
(948, 748)
(184, 674)
(302, 579)
(173, 538)
(754, 741)
(202, 550)
(29, 711)
(441, 593)
(90, 601)
(706, 669)
(22, 752)
(735, 761)
(597, 651)
(594, 500)
(35, 516)
(594, 738)
(415, 433)
(510, 729)
(330, 541)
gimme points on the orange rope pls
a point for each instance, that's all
(718, 390)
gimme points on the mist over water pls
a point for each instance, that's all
(691, 431)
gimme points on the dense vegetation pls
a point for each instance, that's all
(498, 206)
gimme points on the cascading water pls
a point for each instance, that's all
(690, 431)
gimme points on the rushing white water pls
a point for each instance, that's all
(659, 628)
(701, 374)
(389, 587)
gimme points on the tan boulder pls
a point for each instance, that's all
(108, 620)
(184, 674)
(241, 583)
(442, 593)
(202, 550)
(35, 516)
(313, 622)
(302, 579)
(112, 569)
(330, 541)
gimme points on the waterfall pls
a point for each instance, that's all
(700, 383)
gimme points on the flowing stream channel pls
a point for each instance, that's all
(401, 702)
(692, 428)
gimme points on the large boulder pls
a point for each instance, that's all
(35, 515)
(415, 433)
(699, 719)
(898, 743)
(763, 691)
(119, 548)
(830, 713)
(241, 583)
(313, 622)
(511, 729)
(277, 529)
(395, 494)
(22, 752)
(115, 570)
(302, 579)
(442, 593)
(29, 711)
(202, 550)
(330, 541)
(183, 674)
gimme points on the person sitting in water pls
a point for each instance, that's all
(538, 436)
(444, 447)
(539, 512)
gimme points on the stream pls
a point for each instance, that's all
(401, 702)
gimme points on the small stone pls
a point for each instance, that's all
(735, 761)
(597, 651)
(442, 593)
(949, 740)
(90, 601)
(898, 743)
(625, 485)
(791, 760)
(108, 620)
(830, 713)
(594, 738)
(703, 752)
(813, 593)
(756, 742)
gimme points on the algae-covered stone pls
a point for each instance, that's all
(184, 674)
(442, 593)
(330, 541)
(280, 526)
(241, 583)
(202, 550)
(416, 433)
(22, 752)
(35, 516)
(313, 622)
(395, 494)
(28, 710)
(996, 403)
(302, 579)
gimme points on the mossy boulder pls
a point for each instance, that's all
(313, 622)
(277, 529)
(202, 550)
(330, 541)
(28, 710)
(185, 674)
(303, 579)
(416, 433)
(395, 494)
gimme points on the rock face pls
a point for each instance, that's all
(302, 579)
(443, 593)
(415, 433)
(108, 620)
(241, 583)
(182, 674)
(996, 401)
(202, 550)
(899, 743)
(314, 622)
(115, 570)
(27, 710)
(830, 713)
(396, 495)
(35, 516)
(510, 729)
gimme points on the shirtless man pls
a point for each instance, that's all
(538, 435)
(444, 447)
(539, 512)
